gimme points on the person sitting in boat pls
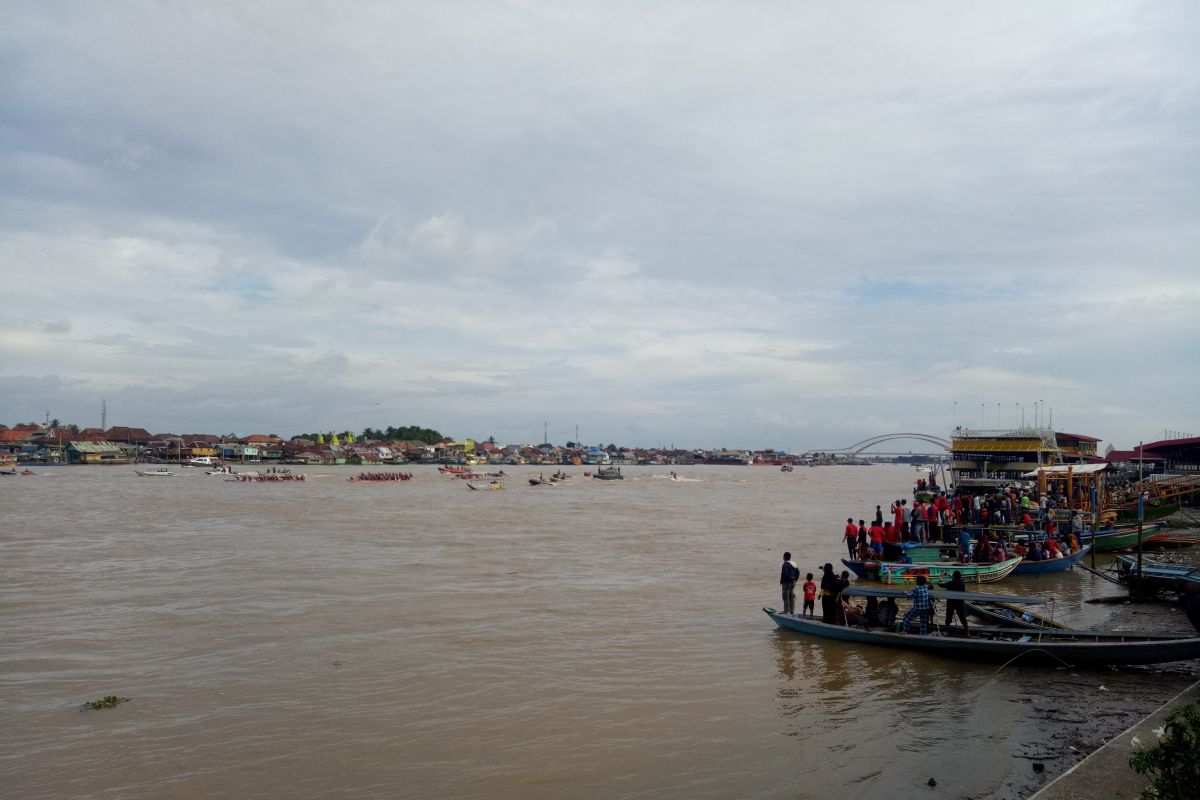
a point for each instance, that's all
(1019, 549)
(853, 615)
(1072, 543)
(922, 607)
(1052, 549)
(999, 553)
(1035, 553)
(864, 552)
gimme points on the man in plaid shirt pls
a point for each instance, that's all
(922, 607)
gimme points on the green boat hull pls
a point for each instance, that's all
(1150, 512)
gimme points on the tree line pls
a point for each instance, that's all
(407, 433)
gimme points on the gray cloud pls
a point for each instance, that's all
(774, 226)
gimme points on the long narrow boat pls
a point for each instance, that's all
(1047, 646)
(935, 553)
(1154, 510)
(896, 572)
(1118, 537)
(1050, 565)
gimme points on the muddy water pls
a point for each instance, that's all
(595, 640)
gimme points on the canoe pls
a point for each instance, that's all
(1047, 646)
(895, 572)
(1002, 614)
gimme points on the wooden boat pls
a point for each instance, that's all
(1051, 565)
(1152, 510)
(608, 474)
(162, 472)
(1046, 646)
(494, 486)
(1172, 539)
(1157, 577)
(1118, 537)
(1010, 615)
(896, 572)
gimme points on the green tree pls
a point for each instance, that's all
(1174, 763)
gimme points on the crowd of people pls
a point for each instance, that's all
(1009, 522)
(384, 476)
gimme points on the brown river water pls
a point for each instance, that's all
(591, 640)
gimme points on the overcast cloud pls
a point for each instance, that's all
(745, 225)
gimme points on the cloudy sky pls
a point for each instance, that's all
(770, 224)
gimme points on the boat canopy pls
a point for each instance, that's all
(942, 594)
(1064, 469)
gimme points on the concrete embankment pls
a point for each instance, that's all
(1106, 772)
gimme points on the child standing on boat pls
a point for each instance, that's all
(810, 596)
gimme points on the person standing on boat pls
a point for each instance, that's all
(851, 534)
(877, 541)
(918, 522)
(922, 607)
(964, 546)
(892, 549)
(959, 607)
(829, 593)
(863, 539)
(878, 515)
(788, 576)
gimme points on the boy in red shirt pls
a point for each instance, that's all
(810, 597)
(851, 537)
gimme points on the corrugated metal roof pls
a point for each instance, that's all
(94, 446)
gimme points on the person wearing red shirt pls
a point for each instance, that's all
(877, 540)
(891, 543)
(851, 536)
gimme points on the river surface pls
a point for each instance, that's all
(591, 640)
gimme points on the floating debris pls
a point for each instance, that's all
(108, 701)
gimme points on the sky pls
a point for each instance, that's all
(744, 225)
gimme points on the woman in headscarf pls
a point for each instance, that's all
(830, 587)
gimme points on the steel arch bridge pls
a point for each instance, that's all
(858, 447)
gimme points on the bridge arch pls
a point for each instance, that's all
(858, 447)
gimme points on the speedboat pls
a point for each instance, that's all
(161, 472)
(203, 461)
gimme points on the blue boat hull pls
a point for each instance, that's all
(1037, 647)
(1052, 565)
